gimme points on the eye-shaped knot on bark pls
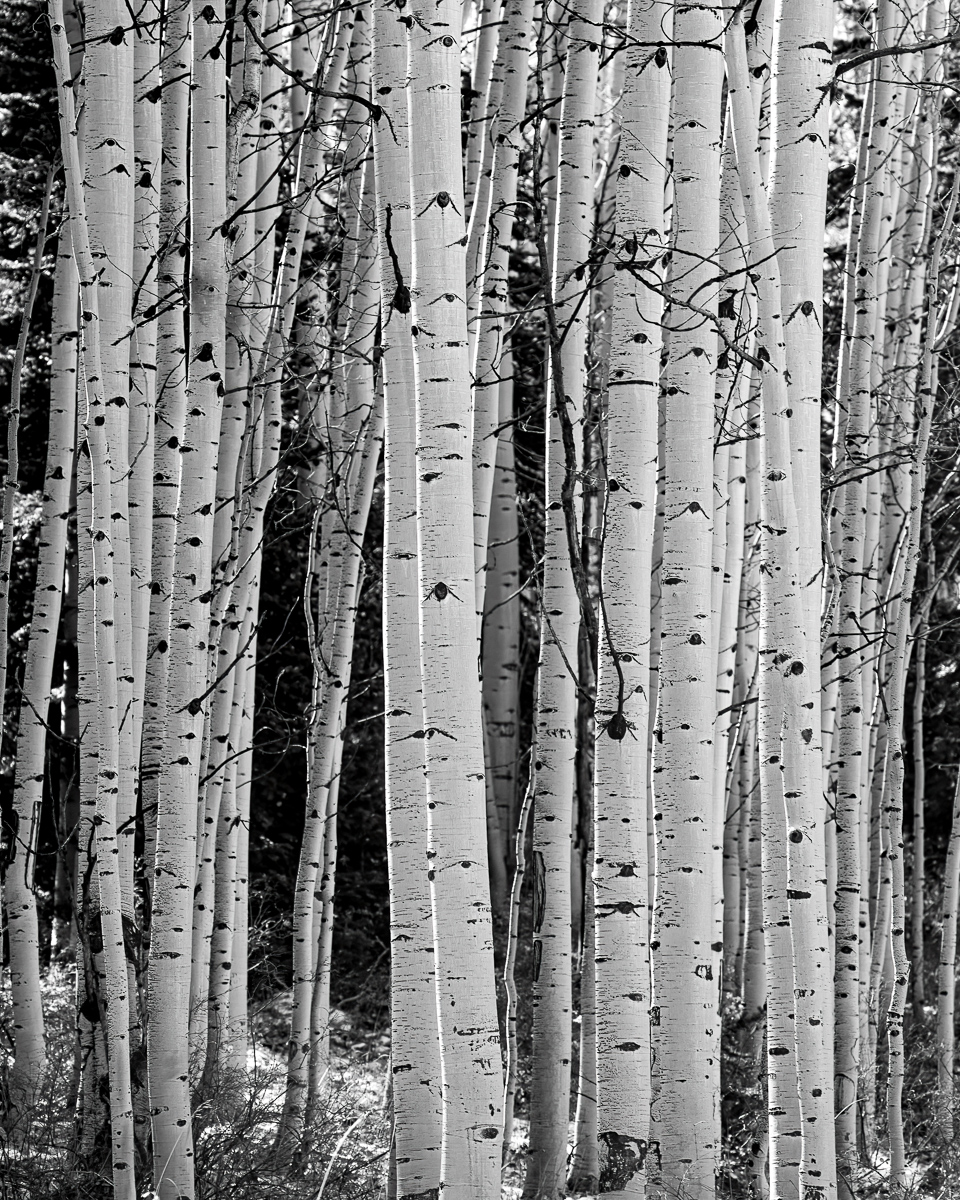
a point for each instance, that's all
(442, 199)
(440, 591)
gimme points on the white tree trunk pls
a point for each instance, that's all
(623, 701)
(415, 1057)
(452, 715)
(686, 957)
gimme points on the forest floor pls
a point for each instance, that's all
(235, 1127)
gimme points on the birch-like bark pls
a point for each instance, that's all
(108, 935)
(501, 626)
(946, 979)
(926, 395)
(555, 755)
(170, 412)
(109, 166)
(21, 836)
(685, 955)
(415, 1057)
(64, 337)
(788, 687)
(147, 148)
(492, 283)
(168, 1072)
(623, 702)
(800, 70)
(849, 536)
(356, 448)
(452, 714)
(917, 879)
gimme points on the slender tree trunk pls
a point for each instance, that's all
(685, 962)
(560, 627)
(622, 770)
(849, 534)
(946, 980)
(170, 415)
(415, 1057)
(917, 879)
(21, 836)
(501, 625)
(109, 936)
(452, 714)
(168, 1057)
(788, 691)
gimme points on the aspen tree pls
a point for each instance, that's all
(787, 693)
(170, 408)
(484, 97)
(108, 136)
(329, 729)
(926, 389)
(222, 1058)
(452, 716)
(23, 832)
(800, 70)
(946, 978)
(492, 283)
(169, 963)
(558, 677)
(248, 431)
(234, 565)
(228, 711)
(687, 992)
(501, 621)
(91, 1043)
(109, 931)
(849, 534)
(917, 936)
(147, 144)
(238, 1029)
(63, 407)
(361, 418)
(415, 1059)
(733, 390)
(621, 769)
(354, 429)
(490, 238)
(243, 349)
